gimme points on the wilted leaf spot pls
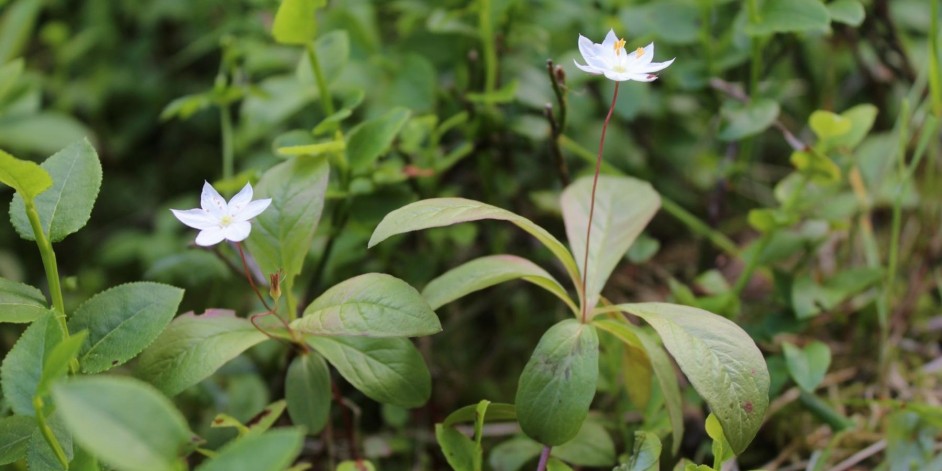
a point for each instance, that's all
(747, 406)
(258, 418)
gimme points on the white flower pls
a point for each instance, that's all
(611, 59)
(218, 220)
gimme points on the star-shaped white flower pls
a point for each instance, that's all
(218, 220)
(611, 59)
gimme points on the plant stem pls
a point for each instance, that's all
(544, 458)
(935, 81)
(595, 184)
(248, 276)
(326, 101)
(487, 44)
(48, 434)
(228, 157)
(49, 264)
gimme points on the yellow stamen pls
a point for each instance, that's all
(619, 45)
(639, 52)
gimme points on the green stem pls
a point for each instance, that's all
(228, 154)
(935, 81)
(47, 433)
(326, 101)
(49, 264)
(823, 411)
(588, 228)
(487, 44)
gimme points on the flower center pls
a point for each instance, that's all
(639, 52)
(225, 221)
(619, 46)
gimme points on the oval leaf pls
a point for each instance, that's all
(281, 236)
(485, 272)
(23, 366)
(720, 360)
(20, 303)
(126, 423)
(66, 206)
(784, 16)
(294, 21)
(388, 370)
(271, 451)
(122, 321)
(27, 178)
(194, 347)
(438, 212)
(307, 391)
(807, 365)
(558, 383)
(373, 305)
(623, 207)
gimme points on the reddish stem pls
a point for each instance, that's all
(248, 276)
(588, 229)
(544, 455)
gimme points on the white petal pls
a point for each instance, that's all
(647, 56)
(237, 231)
(195, 218)
(251, 210)
(211, 201)
(210, 236)
(654, 67)
(241, 199)
(586, 47)
(610, 40)
(643, 77)
(617, 76)
(587, 68)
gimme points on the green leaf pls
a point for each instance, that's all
(307, 391)
(39, 454)
(558, 383)
(504, 94)
(67, 205)
(9, 73)
(829, 125)
(388, 370)
(25, 177)
(194, 347)
(44, 132)
(720, 360)
(58, 360)
(808, 365)
(20, 302)
(126, 423)
(663, 372)
(295, 21)
(787, 16)
(809, 298)
(862, 118)
(281, 236)
(333, 52)
(359, 465)
(460, 451)
(485, 272)
(439, 212)
(646, 454)
(122, 321)
(849, 12)
(15, 432)
(554, 464)
(373, 305)
(747, 120)
(668, 21)
(721, 449)
(495, 412)
(623, 207)
(23, 365)
(591, 447)
(371, 139)
(16, 27)
(512, 454)
(271, 451)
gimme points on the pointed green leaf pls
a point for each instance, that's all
(23, 365)
(58, 360)
(25, 177)
(460, 451)
(646, 454)
(720, 360)
(122, 321)
(485, 272)
(623, 207)
(294, 21)
(786, 16)
(373, 305)
(558, 383)
(281, 236)
(388, 370)
(66, 206)
(747, 120)
(271, 451)
(123, 421)
(808, 365)
(439, 212)
(15, 432)
(371, 139)
(720, 447)
(20, 302)
(307, 391)
(193, 347)
(663, 372)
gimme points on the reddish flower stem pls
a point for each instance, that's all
(544, 459)
(588, 229)
(248, 276)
